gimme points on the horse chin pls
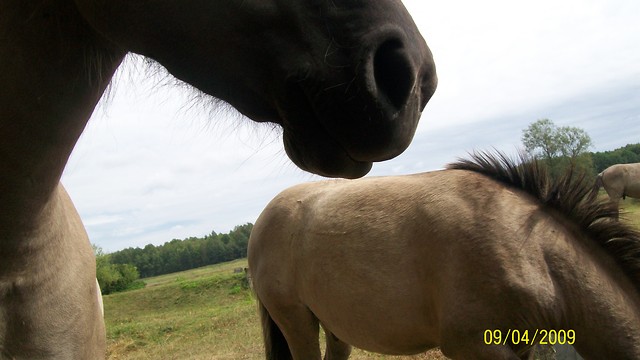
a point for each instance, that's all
(324, 160)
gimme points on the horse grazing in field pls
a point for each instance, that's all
(346, 80)
(620, 181)
(401, 264)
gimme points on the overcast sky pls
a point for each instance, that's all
(154, 165)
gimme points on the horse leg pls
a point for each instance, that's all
(614, 201)
(615, 208)
(301, 329)
(336, 348)
(275, 345)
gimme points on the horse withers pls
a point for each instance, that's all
(347, 82)
(401, 264)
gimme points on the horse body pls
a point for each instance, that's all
(398, 265)
(620, 181)
(347, 84)
(50, 304)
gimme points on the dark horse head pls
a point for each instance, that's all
(346, 79)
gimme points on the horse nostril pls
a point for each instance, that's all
(393, 72)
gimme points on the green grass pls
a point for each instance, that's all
(206, 313)
(206, 271)
(630, 211)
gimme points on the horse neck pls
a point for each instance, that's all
(601, 303)
(53, 71)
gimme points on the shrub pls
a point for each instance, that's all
(117, 277)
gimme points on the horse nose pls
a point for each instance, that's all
(392, 74)
(392, 70)
(400, 78)
(395, 77)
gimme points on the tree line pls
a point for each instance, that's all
(178, 255)
(121, 270)
(624, 155)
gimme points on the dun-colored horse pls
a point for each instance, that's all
(483, 259)
(620, 181)
(347, 82)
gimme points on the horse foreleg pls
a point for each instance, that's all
(336, 348)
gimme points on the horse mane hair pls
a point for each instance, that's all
(571, 194)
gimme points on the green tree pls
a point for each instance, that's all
(114, 277)
(541, 139)
(559, 147)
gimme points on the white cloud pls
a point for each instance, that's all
(502, 56)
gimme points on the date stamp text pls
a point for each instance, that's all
(539, 336)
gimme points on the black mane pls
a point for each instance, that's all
(570, 194)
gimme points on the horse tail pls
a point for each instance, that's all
(597, 185)
(275, 344)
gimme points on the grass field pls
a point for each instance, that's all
(630, 211)
(206, 313)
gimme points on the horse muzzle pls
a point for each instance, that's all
(394, 80)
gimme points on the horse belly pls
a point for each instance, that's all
(633, 190)
(398, 322)
(375, 298)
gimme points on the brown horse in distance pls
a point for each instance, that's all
(620, 181)
(347, 82)
(401, 264)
